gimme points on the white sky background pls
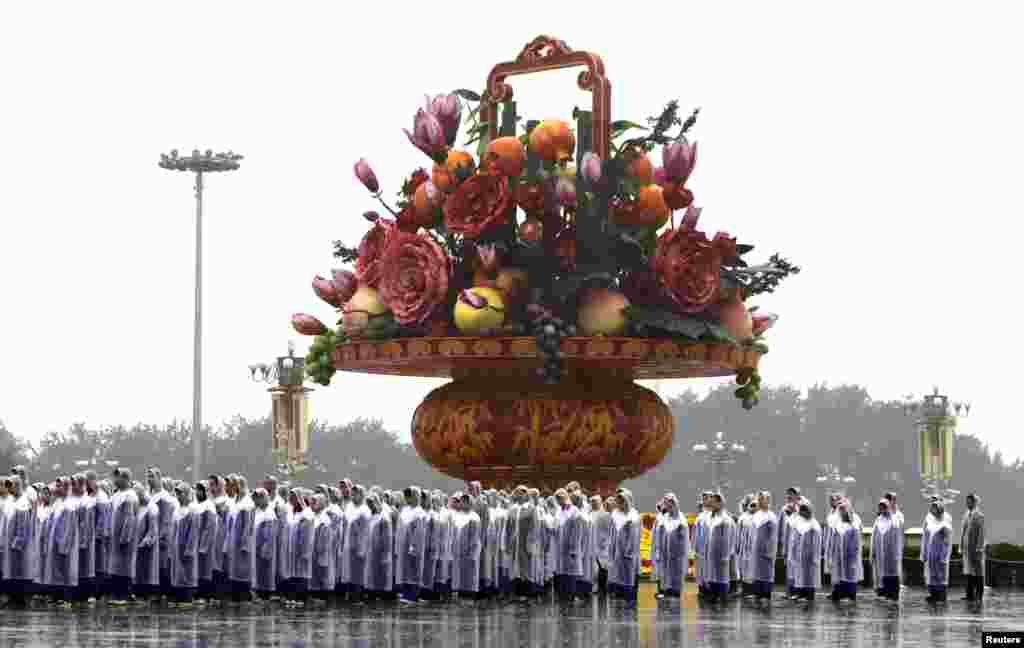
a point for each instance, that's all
(877, 145)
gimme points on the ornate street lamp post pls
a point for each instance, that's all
(935, 421)
(290, 415)
(198, 163)
(834, 482)
(719, 454)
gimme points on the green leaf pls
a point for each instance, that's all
(624, 125)
(666, 321)
(468, 95)
(719, 334)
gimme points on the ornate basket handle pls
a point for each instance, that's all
(547, 53)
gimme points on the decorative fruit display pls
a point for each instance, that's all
(547, 227)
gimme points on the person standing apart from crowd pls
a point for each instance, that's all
(972, 547)
(936, 548)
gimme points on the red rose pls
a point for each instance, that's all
(414, 277)
(371, 249)
(479, 203)
(688, 267)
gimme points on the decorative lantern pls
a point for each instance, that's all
(935, 429)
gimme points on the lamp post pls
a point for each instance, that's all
(935, 419)
(290, 410)
(834, 482)
(199, 164)
(719, 454)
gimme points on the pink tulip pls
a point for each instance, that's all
(488, 258)
(763, 321)
(472, 299)
(325, 290)
(427, 133)
(565, 191)
(345, 284)
(307, 325)
(591, 167)
(448, 111)
(366, 175)
(678, 159)
(690, 218)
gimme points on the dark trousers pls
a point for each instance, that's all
(182, 594)
(975, 588)
(602, 580)
(409, 592)
(841, 590)
(86, 588)
(890, 588)
(242, 591)
(119, 587)
(565, 585)
(762, 589)
(584, 587)
(165, 579)
(937, 592)
(206, 589)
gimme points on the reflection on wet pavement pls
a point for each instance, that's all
(913, 623)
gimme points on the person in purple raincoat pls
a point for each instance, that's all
(85, 516)
(44, 508)
(887, 553)
(124, 506)
(22, 548)
(624, 564)
(435, 538)
(357, 526)
(379, 567)
(239, 542)
(568, 547)
(807, 541)
(206, 550)
(745, 544)
(411, 547)
(325, 557)
(166, 505)
(846, 564)
(337, 515)
(147, 547)
(283, 511)
(936, 548)
(221, 504)
(674, 549)
(764, 548)
(468, 547)
(719, 547)
(264, 553)
(300, 548)
(61, 575)
(184, 548)
(102, 533)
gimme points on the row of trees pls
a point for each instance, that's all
(789, 436)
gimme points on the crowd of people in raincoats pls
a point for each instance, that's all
(80, 540)
(736, 554)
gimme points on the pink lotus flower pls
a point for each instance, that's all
(427, 134)
(488, 258)
(763, 321)
(345, 284)
(307, 325)
(678, 160)
(325, 290)
(366, 175)
(591, 167)
(448, 111)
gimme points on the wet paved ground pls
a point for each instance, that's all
(913, 623)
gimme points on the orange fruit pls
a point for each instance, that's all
(423, 208)
(552, 140)
(506, 156)
(641, 168)
(653, 209)
(445, 177)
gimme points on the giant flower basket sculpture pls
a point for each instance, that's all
(544, 270)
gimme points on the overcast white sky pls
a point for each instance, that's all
(877, 145)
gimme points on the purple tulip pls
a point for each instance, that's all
(307, 325)
(345, 284)
(690, 218)
(371, 216)
(565, 191)
(488, 258)
(448, 111)
(591, 164)
(472, 299)
(325, 290)
(427, 133)
(366, 175)
(678, 159)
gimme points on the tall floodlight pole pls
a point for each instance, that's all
(719, 454)
(199, 163)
